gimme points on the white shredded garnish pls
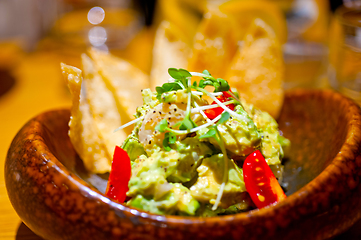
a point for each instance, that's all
(210, 106)
(200, 93)
(199, 127)
(219, 196)
(232, 113)
(206, 124)
(129, 123)
(234, 96)
(198, 74)
(197, 93)
(198, 109)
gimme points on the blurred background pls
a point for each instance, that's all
(320, 41)
(60, 30)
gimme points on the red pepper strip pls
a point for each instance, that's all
(214, 112)
(119, 176)
(261, 184)
(226, 94)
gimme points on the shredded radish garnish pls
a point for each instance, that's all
(206, 124)
(200, 93)
(197, 74)
(129, 123)
(198, 109)
(219, 196)
(234, 96)
(201, 108)
(199, 127)
(232, 113)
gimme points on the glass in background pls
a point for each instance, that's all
(344, 71)
(108, 25)
(305, 52)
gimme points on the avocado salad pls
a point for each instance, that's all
(188, 147)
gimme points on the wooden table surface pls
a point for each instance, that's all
(38, 86)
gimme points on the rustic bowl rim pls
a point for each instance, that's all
(350, 146)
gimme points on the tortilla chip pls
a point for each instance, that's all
(257, 70)
(124, 81)
(82, 130)
(243, 13)
(171, 50)
(214, 45)
(102, 106)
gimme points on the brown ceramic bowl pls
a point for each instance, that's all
(56, 198)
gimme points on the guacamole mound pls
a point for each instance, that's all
(183, 176)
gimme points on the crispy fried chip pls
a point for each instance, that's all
(214, 45)
(102, 105)
(257, 70)
(123, 80)
(171, 49)
(82, 130)
(181, 14)
(244, 12)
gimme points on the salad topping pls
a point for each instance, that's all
(189, 157)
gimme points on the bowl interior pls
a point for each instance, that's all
(314, 122)
(325, 132)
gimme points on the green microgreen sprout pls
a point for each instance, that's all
(169, 136)
(167, 87)
(183, 77)
(219, 84)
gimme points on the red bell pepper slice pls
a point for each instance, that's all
(119, 176)
(214, 112)
(261, 184)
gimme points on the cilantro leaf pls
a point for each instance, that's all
(213, 132)
(180, 75)
(169, 138)
(210, 133)
(167, 87)
(166, 145)
(206, 72)
(184, 73)
(162, 126)
(187, 124)
(224, 117)
(223, 85)
(174, 73)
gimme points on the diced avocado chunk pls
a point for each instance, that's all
(133, 147)
(240, 137)
(150, 172)
(177, 200)
(191, 152)
(272, 143)
(210, 176)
